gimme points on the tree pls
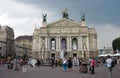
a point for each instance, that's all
(116, 44)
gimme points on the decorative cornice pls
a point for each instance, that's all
(64, 22)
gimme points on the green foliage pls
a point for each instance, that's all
(116, 44)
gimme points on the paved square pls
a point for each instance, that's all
(57, 72)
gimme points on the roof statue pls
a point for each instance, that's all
(44, 17)
(83, 17)
(65, 14)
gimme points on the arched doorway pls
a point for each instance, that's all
(63, 48)
(74, 55)
(74, 44)
(63, 44)
(53, 44)
(53, 55)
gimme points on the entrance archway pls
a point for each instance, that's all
(53, 55)
(53, 44)
(74, 55)
(63, 44)
(74, 44)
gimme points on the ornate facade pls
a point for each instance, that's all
(6, 41)
(23, 45)
(64, 38)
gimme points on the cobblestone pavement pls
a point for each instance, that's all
(57, 72)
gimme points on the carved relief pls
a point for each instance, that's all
(65, 23)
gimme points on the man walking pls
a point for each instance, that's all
(109, 66)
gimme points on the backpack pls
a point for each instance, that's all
(112, 64)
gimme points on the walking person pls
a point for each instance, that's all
(24, 68)
(109, 66)
(38, 62)
(69, 64)
(52, 62)
(65, 64)
(14, 62)
(92, 66)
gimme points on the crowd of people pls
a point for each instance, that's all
(91, 63)
(66, 63)
(19, 63)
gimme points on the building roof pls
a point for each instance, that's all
(26, 37)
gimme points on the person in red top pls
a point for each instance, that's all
(93, 66)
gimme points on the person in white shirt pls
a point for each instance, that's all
(108, 62)
(65, 64)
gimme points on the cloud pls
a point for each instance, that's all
(106, 34)
(99, 11)
(21, 17)
(19, 10)
(21, 26)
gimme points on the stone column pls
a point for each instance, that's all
(46, 47)
(39, 43)
(87, 44)
(82, 41)
(57, 42)
(48, 44)
(67, 43)
(39, 49)
(70, 43)
(70, 46)
(59, 45)
(48, 51)
(79, 44)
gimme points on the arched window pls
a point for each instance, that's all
(63, 44)
(74, 44)
(53, 44)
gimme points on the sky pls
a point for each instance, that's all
(23, 15)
